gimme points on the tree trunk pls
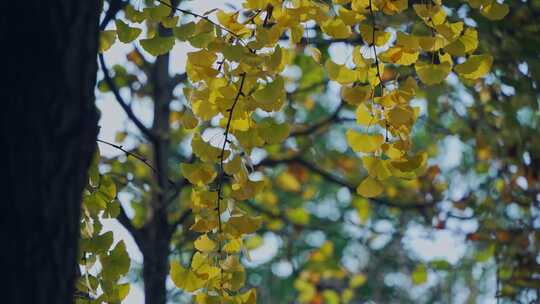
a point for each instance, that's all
(157, 229)
(48, 126)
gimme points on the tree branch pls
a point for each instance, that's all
(122, 102)
(338, 181)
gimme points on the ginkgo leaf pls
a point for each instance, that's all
(369, 187)
(205, 244)
(399, 56)
(184, 31)
(198, 173)
(157, 45)
(363, 116)
(376, 167)
(273, 132)
(475, 67)
(315, 54)
(133, 15)
(106, 40)
(495, 11)
(377, 37)
(465, 44)
(157, 13)
(116, 263)
(432, 73)
(126, 34)
(336, 28)
(205, 151)
(350, 17)
(356, 95)
(365, 143)
(432, 15)
(340, 73)
(270, 98)
(184, 278)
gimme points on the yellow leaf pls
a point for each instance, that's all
(475, 67)
(205, 151)
(198, 174)
(298, 215)
(288, 182)
(376, 167)
(205, 244)
(270, 98)
(356, 95)
(340, 73)
(357, 280)
(369, 187)
(378, 37)
(465, 44)
(432, 15)
(336, 28)
(350, 17)
(184, 278)
(106, 40)
(364, 142)
(363, 116)
(432, 73)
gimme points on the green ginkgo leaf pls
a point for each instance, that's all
(158, 45)
(126, 34)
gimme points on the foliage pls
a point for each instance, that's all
(240, 103)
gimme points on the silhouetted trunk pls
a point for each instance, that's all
(48, 126)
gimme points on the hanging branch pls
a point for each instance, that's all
(122, 102)
(221, 177)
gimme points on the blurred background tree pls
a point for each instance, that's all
(320, 242)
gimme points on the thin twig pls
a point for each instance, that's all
(135, 155)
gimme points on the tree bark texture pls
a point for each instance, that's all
(48, 128)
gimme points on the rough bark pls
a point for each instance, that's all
(48, 128)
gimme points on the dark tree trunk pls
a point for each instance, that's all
(48, 128)
(157, 229)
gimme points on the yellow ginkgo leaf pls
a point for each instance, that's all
(363, 116)
(475, 67)
(106, 40)
(432, 44)
(336, 28)
(432, 73)
(205, 244)
(205, 151)
(270, 97)
(377, 37)
(315, 54)
(376, 167)
(356, 95)
(184, 278)
(369, 187)
(350, 17)
(449, 30)
(465, 44)
(288, 182)
(398, 55)
(365, 143)
(340, 73)
(432, 15)
(198, 173)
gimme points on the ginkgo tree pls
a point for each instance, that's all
(229, 150)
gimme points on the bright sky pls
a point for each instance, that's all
(427, 246)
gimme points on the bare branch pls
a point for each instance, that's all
(112, 86)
